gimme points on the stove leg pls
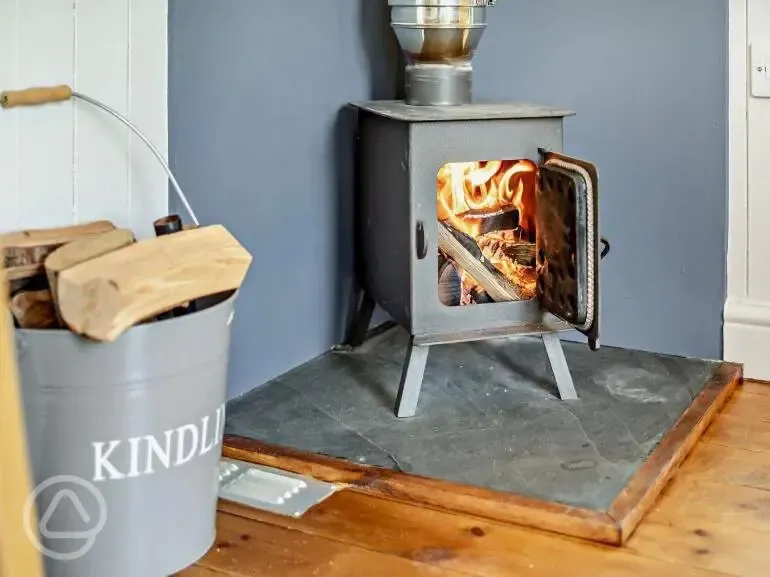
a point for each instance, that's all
(559, 367)
(411, 380)
(360, 326)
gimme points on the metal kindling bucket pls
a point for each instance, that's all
(125, 440)
(125, 437)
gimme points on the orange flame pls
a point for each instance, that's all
(468, 192)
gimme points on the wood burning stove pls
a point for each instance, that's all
(472, 224)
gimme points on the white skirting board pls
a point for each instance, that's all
(747, 337)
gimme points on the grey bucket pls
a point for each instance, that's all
(111, 432)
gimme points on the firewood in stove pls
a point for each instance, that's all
(34, 310)
(24, 252)
(104, 296)
(449, 284)
(466, 253)
(504, 244)
(82, 250)
(513, 257)
(479, 296)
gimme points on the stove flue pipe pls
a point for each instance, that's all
(439, 39)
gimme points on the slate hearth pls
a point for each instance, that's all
(488, 414)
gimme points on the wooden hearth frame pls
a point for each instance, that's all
(612, 527)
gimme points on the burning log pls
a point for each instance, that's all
(25, 251)
(449, 283)
(34, 310)
(470, 193)
(464, 251)
(504, 245)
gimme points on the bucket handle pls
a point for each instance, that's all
(48, 94)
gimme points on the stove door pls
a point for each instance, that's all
(568, 242)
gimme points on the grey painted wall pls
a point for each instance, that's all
(259, 144)
(648, 79)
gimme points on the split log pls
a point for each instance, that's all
(172, 224)
(34, 310)
(503, 244)
(25, 251)
(18, 273)
(470, 259)
(82, 250)
(104, 296)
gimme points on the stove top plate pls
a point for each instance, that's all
(399, 110)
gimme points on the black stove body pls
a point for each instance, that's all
(472, 224)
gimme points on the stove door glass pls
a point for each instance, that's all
(486, 231)
(568, 242)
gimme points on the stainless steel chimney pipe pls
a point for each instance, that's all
(439, 38)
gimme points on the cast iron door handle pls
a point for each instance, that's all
(605, 248)
(421, 241)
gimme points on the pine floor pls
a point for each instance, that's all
(713, 519)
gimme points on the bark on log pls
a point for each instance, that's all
(502, 245)
(499, 288)
(82, 250)
(34, 310)
(25, 251)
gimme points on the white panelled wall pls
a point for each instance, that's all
(747, 311)
(69, 162)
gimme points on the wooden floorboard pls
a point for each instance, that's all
(249, 547)
(713, 519)
(660, 467)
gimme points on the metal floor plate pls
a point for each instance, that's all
(270, 489)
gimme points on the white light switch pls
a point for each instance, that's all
(760, 75)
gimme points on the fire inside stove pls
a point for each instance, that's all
(487, 236)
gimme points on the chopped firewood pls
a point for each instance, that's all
(104, 296)
(497, 286)
(34, 310)
(514, 258)
(172, 224)
(82, 250)
(16, 256)
(503, 244)
(22, 272)
(33, 283)
(25, 251)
